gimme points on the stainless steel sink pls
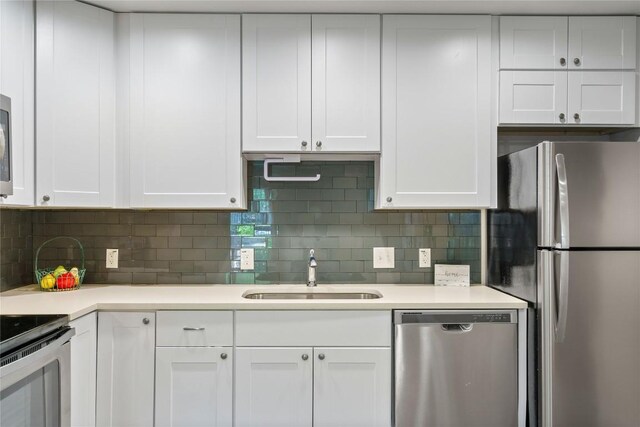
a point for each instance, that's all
(310, 295)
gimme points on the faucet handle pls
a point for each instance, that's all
(312, 253)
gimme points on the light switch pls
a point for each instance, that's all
(424, 257)
(384, 258)
(246, 259)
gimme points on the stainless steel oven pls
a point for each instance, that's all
(35, 371)
(6, 171)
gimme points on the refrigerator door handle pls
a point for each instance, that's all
(563, 197)
(563, 296)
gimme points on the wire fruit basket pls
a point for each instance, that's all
(59, 279)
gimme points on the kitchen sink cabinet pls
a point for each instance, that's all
(311, 83)
(568, 43)
(194, 386)
(298, 368)
(17, 82)
(125, 379)
(438, 146)
(75, 105)
(184, 140)
(84, 345)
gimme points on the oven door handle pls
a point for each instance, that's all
(34, 361)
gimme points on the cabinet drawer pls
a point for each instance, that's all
(194, 328)
(313, 328)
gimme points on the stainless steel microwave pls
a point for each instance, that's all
(6, 171)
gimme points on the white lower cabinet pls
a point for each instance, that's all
(83, 371)
(194, 386)
(352, 387)
(125, 388)
(274, 387)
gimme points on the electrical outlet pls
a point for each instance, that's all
(384, 258)
(112, 258)
(424, 258)
(246, 259)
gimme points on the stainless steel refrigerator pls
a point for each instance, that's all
(566, 238)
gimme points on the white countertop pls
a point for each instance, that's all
(30, 300)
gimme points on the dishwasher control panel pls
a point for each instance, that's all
(455, 317)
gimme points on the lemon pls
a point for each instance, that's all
(47, 282)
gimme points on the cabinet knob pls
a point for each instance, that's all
(145, 320)
(232, 200)
(563, 61)
(561, 116)
(389, 199)
(321, 356)
(304, 143)
(318, 144)
(223, 356)
(305, 357)
(576, 61)
(4, 196)
(46, 198)
(576, 116)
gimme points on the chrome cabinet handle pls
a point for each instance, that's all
(318, 144)
(576, 61)
(223, 356)
(46, 198)
(321, 356)
(563, 61)
(146, 320)
(232, 200)
(305, 357)
(188, 328)
(576, 116)
(561, 116)
(304, 143)
(389, 199)
(4, 196)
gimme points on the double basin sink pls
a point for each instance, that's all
(309, 294)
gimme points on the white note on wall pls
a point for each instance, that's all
(451, 275)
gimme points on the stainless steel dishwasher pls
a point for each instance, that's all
(456, 368)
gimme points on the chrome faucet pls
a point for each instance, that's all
(313, 264)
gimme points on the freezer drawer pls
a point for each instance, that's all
(456, 369)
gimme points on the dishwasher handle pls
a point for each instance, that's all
(450, 318)
(456, 328)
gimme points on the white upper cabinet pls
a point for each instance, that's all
(276, 78)
(602, 97)
(602, 42)
(437, 143)
(16, 82)
(75, 105)
(533, 97)
(346, 83)
(286, 88)
(185, 111)
(574, 43)
(533, 42)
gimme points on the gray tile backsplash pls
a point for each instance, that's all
(285, 219)
(16, 254)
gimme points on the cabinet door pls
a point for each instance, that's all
(126, 344)
(75, 105)
(602, 97)
(533, 42)
(533, 97)
(346, 83)
(194, 386)
(276, 83)
(16, 82)
(185, 111)
(352, 387)
(84, 347)
(436, 112)
(602, 42)
(273, 387)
